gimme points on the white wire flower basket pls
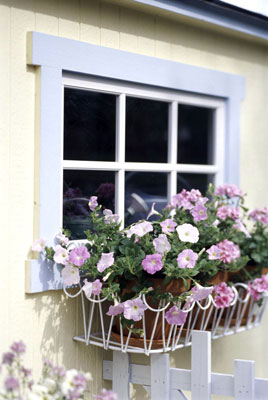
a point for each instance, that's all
(107, 331)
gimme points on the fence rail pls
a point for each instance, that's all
(165, 383)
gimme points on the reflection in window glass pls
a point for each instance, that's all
(195, 136)
(79, 186)
(194, 181)
(142, 190)
(146, 130)
(89, 125)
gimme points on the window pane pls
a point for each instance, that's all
(194, 181)
(195, 136)
(89, 125)
(146, 130)
(79, 186)
(143, 189)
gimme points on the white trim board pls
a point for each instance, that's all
(56, 56)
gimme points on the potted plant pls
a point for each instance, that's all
(169, 257)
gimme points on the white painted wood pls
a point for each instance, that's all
(222, 385)
(244, 383)
(201, 365)
(219, 143)
(261, 389)
(172, 147)
(121, 374)
(160, 377)
(120, 156)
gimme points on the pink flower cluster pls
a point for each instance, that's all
(226, 251)
(258, 287)
(193, 201)
(223, 295)
(228, 190)
(132, 309)
(228, 212)
(259, 215)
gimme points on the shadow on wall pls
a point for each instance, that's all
(58, 320)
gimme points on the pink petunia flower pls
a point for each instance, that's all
(64, 240)
(70, 275)
(106, 395)
(199, 212)
(175, 316)
(214, 253)
(39, 245)
(92, 287)
(152, 212)
(93, 203)
(109, 217)
(134, 309)
(188, 233)
(106, 261)
(168, 226)
(161, 244)
(61, 255)
(152, 263)
(79, 255)
(241, 227)
(140, 229)
(187, 259)
(116, 309)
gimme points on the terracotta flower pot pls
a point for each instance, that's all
(175, 287)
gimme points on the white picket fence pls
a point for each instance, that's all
(165, 383)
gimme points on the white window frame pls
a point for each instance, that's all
(54, 57)
(172, 167)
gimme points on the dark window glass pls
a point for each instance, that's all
(146, 130)
(142, 190)
(79, 186)
(194, 181)
(195, 136)
(89, 125)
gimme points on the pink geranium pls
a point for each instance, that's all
(61, 255)
(258, 287)
(187, 259)
(39, 245)
(168, 226)
(228, 251)
(134, 309)
(161, 244)
(224, 295)
(106, 395)
(258, 215)
(106, 261)
(79, 255)
(70, 275)
(152, 263)
(175, 316)
(228, 212)
(228, 190)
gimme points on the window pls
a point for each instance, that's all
(118, 82)
(133, 145)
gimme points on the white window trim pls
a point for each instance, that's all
(55, 56)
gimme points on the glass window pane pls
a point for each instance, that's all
(146, 130)
(89, 125)
(78, 187)
(195, 135)
(143, 189)
(194, 181)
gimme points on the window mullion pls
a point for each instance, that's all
(172, 147)
(219, 145)
(120, 155)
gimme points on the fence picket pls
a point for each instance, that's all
(121, 374)
(244, 380)
(160, 377)
(201, 365)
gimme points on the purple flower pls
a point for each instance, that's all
(26, 372)
(214, 253)
(134, 309)
(188, 233)
(110, 218)
(61, 255)
(187, 259)
(175, 316)
(152, 212)
(106, 260)
(168, 226)
(70, 275)
(96, 287)
(140, 229)
(200, 293)
(152, 263)
(93, 203)
(92, 287)
(106, 395)
(241, 227)
(8, 358)
(62, 238)
(199, 212)
(161, 244)
(39, 245)
(79, 255)
(11, 383)
(116, 309)
(18, 347)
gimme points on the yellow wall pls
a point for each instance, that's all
(47, 322)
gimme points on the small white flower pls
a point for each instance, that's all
(188, 233)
